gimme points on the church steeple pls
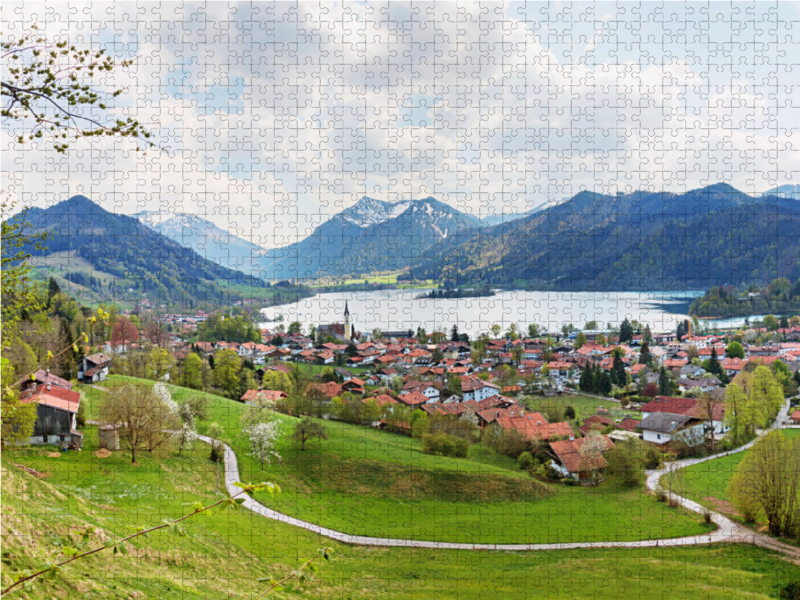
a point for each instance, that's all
(348, 330)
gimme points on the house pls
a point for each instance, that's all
(666, 404)
(596, 423)
(706, 385)
(421, 387)
(44, 376)
(629, 424)
(795, 417)
(354, 386)
(476, 389)
(271, 395)
(534, 427)
(56, 412)
(662, 427)
(94, 368)
(413, 399)
(571, 463)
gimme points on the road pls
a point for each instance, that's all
(727, 531)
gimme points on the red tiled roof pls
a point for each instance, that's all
(412, 399)
(55, 397)
(568, 452)
(666, 404)
(535, 426)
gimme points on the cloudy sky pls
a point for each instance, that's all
(272, 116)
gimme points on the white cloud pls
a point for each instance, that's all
(275, 115)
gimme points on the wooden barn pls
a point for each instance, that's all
(56, 412)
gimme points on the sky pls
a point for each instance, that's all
(270, 117)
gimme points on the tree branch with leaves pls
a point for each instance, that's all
(52, 89)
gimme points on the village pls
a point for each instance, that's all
(516, 392)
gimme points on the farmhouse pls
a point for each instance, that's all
(55, 416)
(94, 368)
(571, 463)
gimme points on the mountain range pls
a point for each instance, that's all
(370, 235)
(641, 241)
(716, 235)
(118, 257)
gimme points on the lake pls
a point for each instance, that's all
(391, 310)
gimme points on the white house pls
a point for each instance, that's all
(661, 428)
(478, 390)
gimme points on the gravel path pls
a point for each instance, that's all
(728, 531)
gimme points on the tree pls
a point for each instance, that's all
(664, 383)
(146, 415)
(420, 422)
(735, 350)
(437, 356)
(510, 443)
(159, 364)
(651, 390)
(495, 329)
(569, 413)
(625, 462)
(193, 371)
(533, 330)
(591, 452)
(124, 331)
(295, 327)
(580, 341)
(625, 331)
(50, 89)
(227, 367)
(217, 448)
(308, 429)
(771, 322)
(645, 356)
(263, 438)
(187, 434)
(454, 336)
(618, 367)
(767, 478)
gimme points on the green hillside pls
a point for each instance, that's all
(223, 555)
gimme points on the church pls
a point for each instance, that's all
(343, 332)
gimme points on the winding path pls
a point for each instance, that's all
(728, 531)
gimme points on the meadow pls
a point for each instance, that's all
(368, 482)
(224, 554)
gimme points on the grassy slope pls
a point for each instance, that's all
(707, 482)
(585, 406)
(223, 554)
(368, 482)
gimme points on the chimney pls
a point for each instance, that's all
(48, 387)
(571, 437)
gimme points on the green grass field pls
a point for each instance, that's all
(707, 483)
(585, 406)
(368, 482)
(224, 554)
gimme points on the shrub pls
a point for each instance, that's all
(525, 461)
(791, 591)
(652, 458)
(510, 443)
(707, 517)
(445, 445)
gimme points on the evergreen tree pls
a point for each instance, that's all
(664, 383)
(625, 331)
(52, 290)
(454, 337)
(619, 369)
(645, 356)
(68, 362)
(714, 365)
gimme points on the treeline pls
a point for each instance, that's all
(234, 328)
(779, 297)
